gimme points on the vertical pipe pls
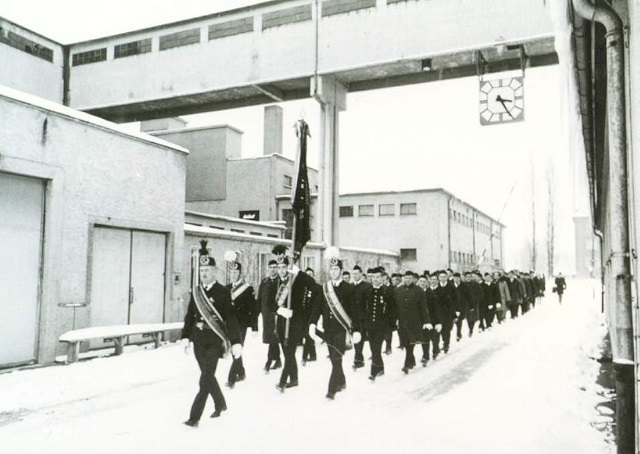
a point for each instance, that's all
(624, 365)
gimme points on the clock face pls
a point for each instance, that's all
(501, 100)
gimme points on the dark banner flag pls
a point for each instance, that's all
(301, 196)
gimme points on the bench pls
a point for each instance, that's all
(116, 333)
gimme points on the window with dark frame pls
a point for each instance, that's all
(365, 210)
(387, 209)
(408, 255)
(346, 211)
(288, 181)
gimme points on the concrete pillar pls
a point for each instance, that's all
(272, 130)
(332, 96)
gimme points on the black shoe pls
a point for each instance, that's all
(291, 384)
(405, 370)
(241, 377)
(424, 362)
(446, 349)
(277, 365)
(372, 377)
(458, 338)
(387, 351)
(267, 367)
(312, 358)
(342, 388)
(216, 414)
(230, 384)
(191, 423)
(331, 396)
(280, 387)
(357, 365)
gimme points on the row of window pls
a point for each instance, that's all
(463, 257)
(465, 220)
(26, 45)
(384, 209)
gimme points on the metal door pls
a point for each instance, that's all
(127, 278)
(21, 220)
(147, 278)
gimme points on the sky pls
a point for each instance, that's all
(412, 137)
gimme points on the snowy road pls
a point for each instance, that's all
(527, 386)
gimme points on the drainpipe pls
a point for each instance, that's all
(619, 259)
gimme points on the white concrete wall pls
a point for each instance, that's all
(95, 175)
(411, 30)
(26, 72)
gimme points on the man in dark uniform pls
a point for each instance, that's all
(267, 298)
(445, 309)
(413, 317)
(299, 289)
(516, 294)
(244, 304)
(432, 335)
(491, 299)
(476, 297)
(560, 286)
(359, 286)
(340, 318)
(211, 325)
(378, 317)
(460, 294)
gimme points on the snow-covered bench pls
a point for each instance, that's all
(116, 333)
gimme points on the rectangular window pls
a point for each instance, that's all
(26, 45)
(178, 39)
(346, 211)
(387, 209)
(92, 56)
(408, 255)
(287, 217)
(408, 208)
(288, 181)
(365, 210)
(133, 48)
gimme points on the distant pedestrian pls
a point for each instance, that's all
(560, 287)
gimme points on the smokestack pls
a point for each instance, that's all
(272, 130)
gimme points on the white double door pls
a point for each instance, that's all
(127, 278)
(21, 223)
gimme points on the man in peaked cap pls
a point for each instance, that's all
(267, 299)
(359, 286)
(244, 304)
(340, 318)
(211, 325)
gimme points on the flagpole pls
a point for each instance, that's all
(294, 259)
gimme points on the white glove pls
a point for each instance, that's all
(498, 306)
(356, 337)
(457, 314)
(294, 270)
(438, 327)
(490, 306)
(428, 326)
(284, 312)
(236, 350)
(313, 335)
(186, 345)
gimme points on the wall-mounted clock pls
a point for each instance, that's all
(501, 100)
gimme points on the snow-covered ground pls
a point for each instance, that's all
(527, 386)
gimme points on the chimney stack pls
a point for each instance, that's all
(272, 130)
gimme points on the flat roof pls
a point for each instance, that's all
(82, 117)
(160, 132)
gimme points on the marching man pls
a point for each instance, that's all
(244, 304)
(340, 319)
(211, 325)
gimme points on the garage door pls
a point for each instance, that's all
(21, 219)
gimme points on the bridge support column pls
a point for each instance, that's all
(332, 96)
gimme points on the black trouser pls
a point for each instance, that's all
(358, 359)
(427, 334)
(488, 317)
(387, 340)
(376, 337)
(207, 356)
(461, 318)
(308, 349)
(446, 335)
(336, 345)
(525, 305)
(409, 359)
(290, 368)
(274, 352)
(237, 367)
(514, 310)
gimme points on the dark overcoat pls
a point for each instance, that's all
(267, 306)
(303, 296)
(412, 309)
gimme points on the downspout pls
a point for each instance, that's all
(619, 259)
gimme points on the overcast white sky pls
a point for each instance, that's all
(411, 137)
